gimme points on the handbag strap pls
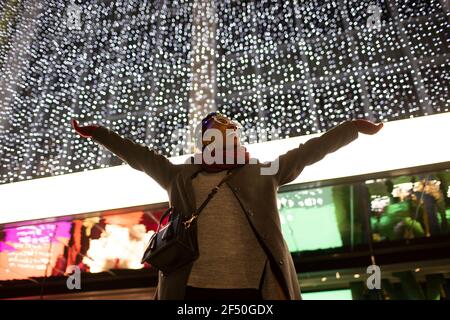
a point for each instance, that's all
(195, 214)
(165, 214)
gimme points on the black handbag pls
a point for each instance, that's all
(175, 244)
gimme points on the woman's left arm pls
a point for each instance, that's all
(292, 163)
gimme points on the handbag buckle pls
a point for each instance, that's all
(187, 223)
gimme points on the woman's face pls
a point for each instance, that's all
(229, 130)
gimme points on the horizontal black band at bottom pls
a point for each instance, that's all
(130, 309)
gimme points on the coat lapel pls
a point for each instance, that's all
(187, 184)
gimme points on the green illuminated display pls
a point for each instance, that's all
(308, 220)
(345, 294)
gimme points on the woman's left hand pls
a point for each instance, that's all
(367, 127)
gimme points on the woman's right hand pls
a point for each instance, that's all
(85, 131)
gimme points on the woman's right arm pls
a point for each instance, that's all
(136, 155)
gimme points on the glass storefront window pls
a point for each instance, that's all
(100, 243)
(381, 210)
(319, 221)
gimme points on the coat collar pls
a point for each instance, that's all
(187, 175)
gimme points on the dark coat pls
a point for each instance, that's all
(256, 193)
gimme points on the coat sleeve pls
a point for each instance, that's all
(292, 163)
(137, 156)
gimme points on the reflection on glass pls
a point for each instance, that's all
(94, 244)
(391, 209)
(410, 207)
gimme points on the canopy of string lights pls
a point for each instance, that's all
(151, 69)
